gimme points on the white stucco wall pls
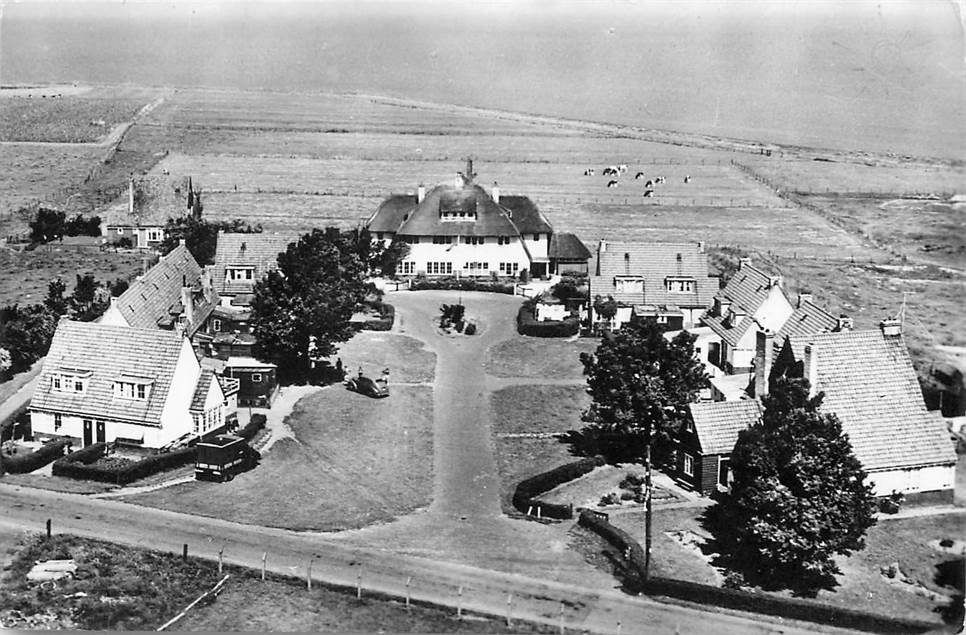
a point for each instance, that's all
(772, 314)
(925, 479)
(113, 317)
(175, 418)
(459, 254)
(42, 423)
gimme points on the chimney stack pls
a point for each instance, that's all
(145, 264)
(130, 196)
(496, 192)
(701, 246)
(603, 246)
(776, 281)
(810, 368)
(844, 323)
(722, 305)
(186, 302)
(891, 327)
(181, 242)
(803, 298)
(764, 349)
(420, 193)
(743, 262)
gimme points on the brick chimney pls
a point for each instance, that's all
(420, 193)
(803, 298)
(891, 327)
(764, 345)
(810, 368)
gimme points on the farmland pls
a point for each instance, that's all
(66, 118)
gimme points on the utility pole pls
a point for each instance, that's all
(647, 502)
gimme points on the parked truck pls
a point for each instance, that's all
(223, 456)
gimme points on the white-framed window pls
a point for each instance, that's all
(536, 237)
(58, 420)
(78, 384)
(407, 267)
(688, 464)
(509, 268)
(379, 235)
(131, 390)
(679, 285)
(412, 240)
(154, 235)
(477, 267)
(443, 240)
(197, 420)
(256, 378)
(439, 268)
(235, 274)
(56, 382)
(633, 284)
(216, 325)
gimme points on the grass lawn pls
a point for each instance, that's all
(536, 408)
(518, 459)
(354, 461)
(861, 586)
(284, 604)
(587, 490)
(537, 357)
(57, 483)
(405, 357)
(124, 588)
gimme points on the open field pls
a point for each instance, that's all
(538, 358)
(534, 408)
(861, 586)
(66, 118)
(26, 274)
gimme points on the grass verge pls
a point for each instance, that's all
(538, 358)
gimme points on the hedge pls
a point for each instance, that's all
(80, 465)
(387, 314)
(30, 461)
(252, 428)
(462, 284)
(788, 608)
(528, 325)
(526, 490)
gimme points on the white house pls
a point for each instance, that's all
(142, 224)
(461, 229)
(751, 301)
(104, 382)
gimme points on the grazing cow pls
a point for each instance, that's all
(648, 193)
(649, 184)
(622, 168)
(639, 176)
(612, 183)
(660, 179)
(610, 170)
(687, 179)
(589, 172)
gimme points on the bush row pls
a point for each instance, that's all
(30, 461)
(528, 325)
(463, 284)
(81, 465)
(252, 428)
(387, 314)
(526, 490)
(789, 608)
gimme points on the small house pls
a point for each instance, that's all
(257, 381)
(705, 444)
(142, 224)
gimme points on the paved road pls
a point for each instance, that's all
(289, 552)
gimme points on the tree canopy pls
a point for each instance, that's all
(641, 384)
(302, 310)
(798, 497)
(200, 235)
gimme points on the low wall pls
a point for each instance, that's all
(526, 490)
(790, 608)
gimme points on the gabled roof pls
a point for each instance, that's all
(564, 246)
(746, 291)
(108, 354)
(655, 262)
(869, 382)
(389, 215)
(157, 202)
(525, 215)
(717, 423)
(154, 299)
(259, 251)
(201, 390)
(807, 319)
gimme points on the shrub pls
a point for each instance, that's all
(463, 284)
(632, 482)
(626, 496)
(252, 428)
(30, 461)
(452, 314)
(527, 489)
(88, 464)
(470, 329)
(608, 499)
(528, 325)
(387, 315)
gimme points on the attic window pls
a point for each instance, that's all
(234, 274)
(136, 388)
(679, 285)
(629, 284)
(70, 380)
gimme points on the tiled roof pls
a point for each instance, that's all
(654, 262)
(717, 423)
(201, 390)
(109, 353)
(564, 246)
(253, 250)
(154, 300)
(512, 216)
(808, 318)
(747, 291)
(870, 383)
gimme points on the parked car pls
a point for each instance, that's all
(377, 389)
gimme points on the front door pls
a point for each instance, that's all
(88, 432)
(100, 432)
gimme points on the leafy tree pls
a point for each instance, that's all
(566, 289)
(89, 300)
(798, 497)
(452, 314)
(605, 309)
(47, 225)
(26, 333)
(301, 311)
(387, 259)
(5, 361)
(118, 287)
(83, 226)
(55, 301)
(641, 385)
(201, 236)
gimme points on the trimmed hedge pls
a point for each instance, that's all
(80, 465)
(30, 461)
(528, 325)
(788, 608)
(252, 428)
(387, 315)
(526, 490)
(462, 284)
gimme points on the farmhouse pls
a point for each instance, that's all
(751, 300)
(175, 293)
(241, 260)
(104, 382)
(142, 225)
(666, 281)
(461, 229)
(869, 382)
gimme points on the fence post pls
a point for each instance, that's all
(264, 557)
(308, 576)
(221, 553)
(509, 603)
(184, 552)
(561, 618)
(618, 627)
(359, 586)
(408, 596)
(48, 528)
(459, 603)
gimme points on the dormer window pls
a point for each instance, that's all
(679, 285)
(70, 380)
(129, 387)
(239, 274)
(629, 284)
